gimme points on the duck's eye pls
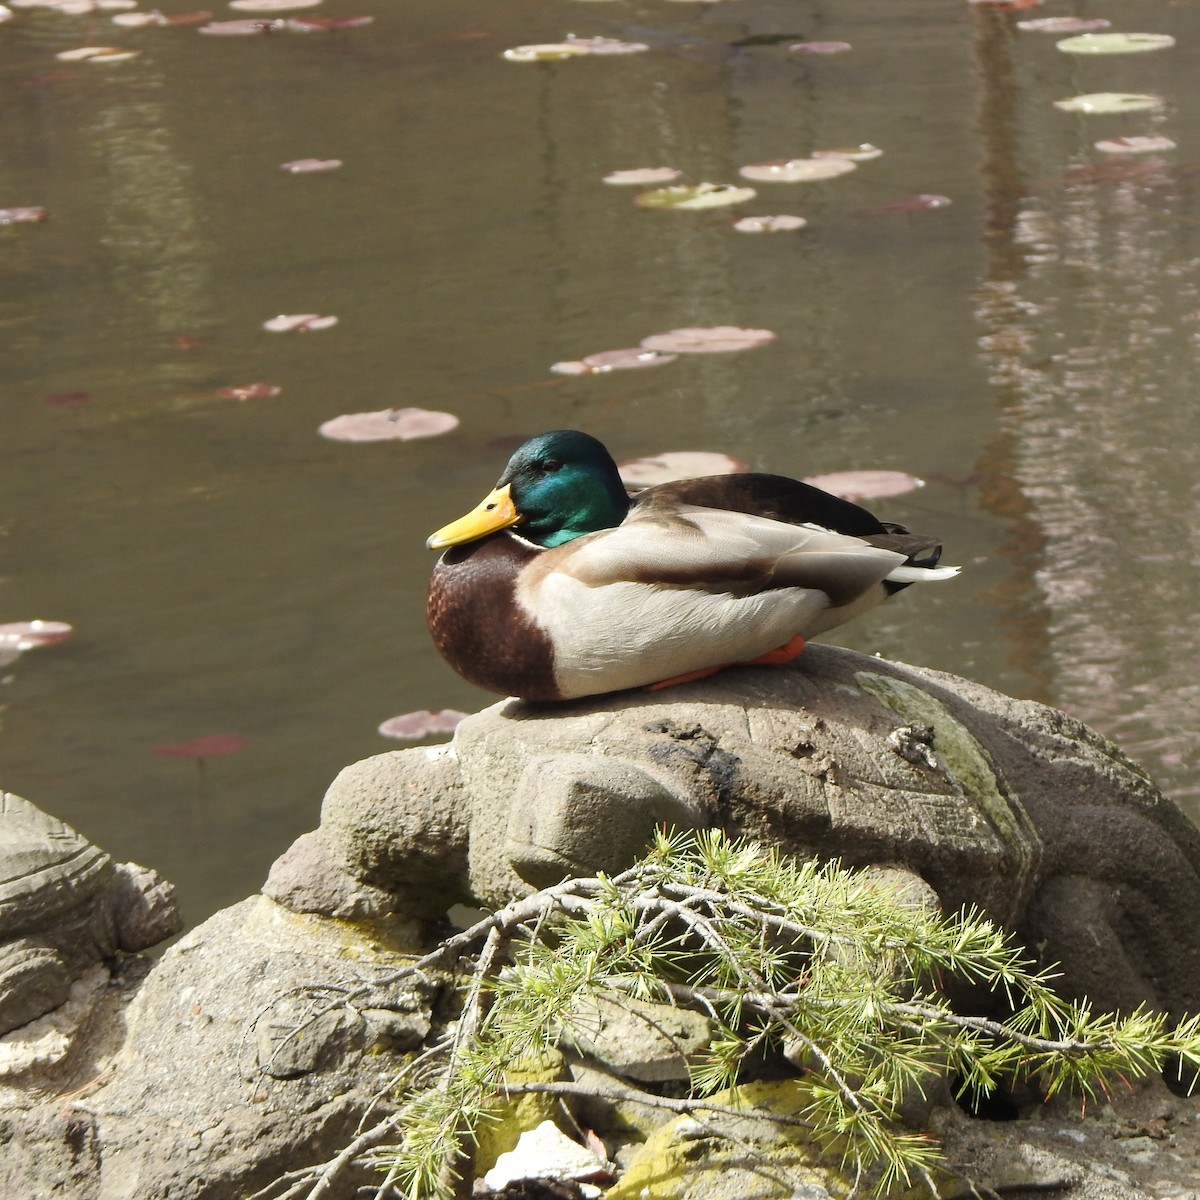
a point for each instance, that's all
(550, 465)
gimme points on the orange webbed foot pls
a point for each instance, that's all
(786, 653)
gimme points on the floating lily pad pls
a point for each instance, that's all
(700, 195)
(6, 14)
(392, 424)
(298, 322)
(422, 723)
(642, 175)
(1135, 145)
(860, 153)
(866, 485)
(781, 223)
(797, 170)
(708, 339)
(97, 54)
(677, 464)
(308, 166)
(28, 635)
(1109, 102)
(631, 359)
(819, 47)
(212, 745)
(69, 399)
(1007, 5)
(249, 391)
(545, 52)
(325, 24)
(603, 45)
(1115, 43)
(1065, 24)
(138, 20)
(269, 6)
(244, 28)
(31, 214)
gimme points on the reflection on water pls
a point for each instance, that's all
(1029, 350)
(1091, 313)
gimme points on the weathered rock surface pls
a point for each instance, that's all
(1005, 804)
(258, 1041)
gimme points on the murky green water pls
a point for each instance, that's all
(1030, 350)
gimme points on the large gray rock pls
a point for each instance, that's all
(1005, 804)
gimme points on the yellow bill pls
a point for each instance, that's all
(496, 512)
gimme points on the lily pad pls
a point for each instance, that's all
(1065, 24)
(97, 54)
(325, 24)
(866, 485)
(30, 214)
(308, 166)
(781, 223)
(642, 175)
(545, 52)
(269, 6)
(422, 723)
(249, 391)
(1135, 145)
(708, 339)
(1109, 102)
(677, 464)
(603, 45)
(212, 745)
(139, 20)
(392, 424)
(28, 635)
(797, 170)
(1115, 43)
(631, 359)
(298, 322)
(860, 153)
(247, 27)
(819, 48)
(700, 195)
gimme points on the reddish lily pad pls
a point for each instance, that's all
(391, 424)
(642, 175)
(422, 723)
(18, 216)
(677, 464)
(307, 166)
(268, 6)
(781, 223)
(631, 359)
(29, 635)
(1065, 24)
(866, 485)
(1135, 145)
(213, 745)
(69, 399)
(710, 339)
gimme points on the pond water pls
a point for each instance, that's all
(1029, 349)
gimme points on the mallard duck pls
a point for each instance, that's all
(560, 584)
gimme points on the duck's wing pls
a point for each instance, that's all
(717, 550)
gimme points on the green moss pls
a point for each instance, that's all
(966, 761)
(521, 1113)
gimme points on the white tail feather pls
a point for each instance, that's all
(922, 574)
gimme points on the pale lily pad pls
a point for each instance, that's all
(97, 54)
(29, 214)
(819, 47)
(270, 6)
(631, 359)
(545, 52)
(860, 153)
(1115, 43)
(392, 424)
(6, 14)
(642, 175)
(797, 170)
(700, 195)
(708, 339)
(138, 20)
(249, 391)
(781, 223)
(677, 464)
(308, 166)
(246, 27)
(866, 485)
(298, 322)
(1065, 24)
(1109, 102)
(603, 45)
(1135, 145)
(422, 723)
(28, 635)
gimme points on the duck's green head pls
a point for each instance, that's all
(557, 486)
